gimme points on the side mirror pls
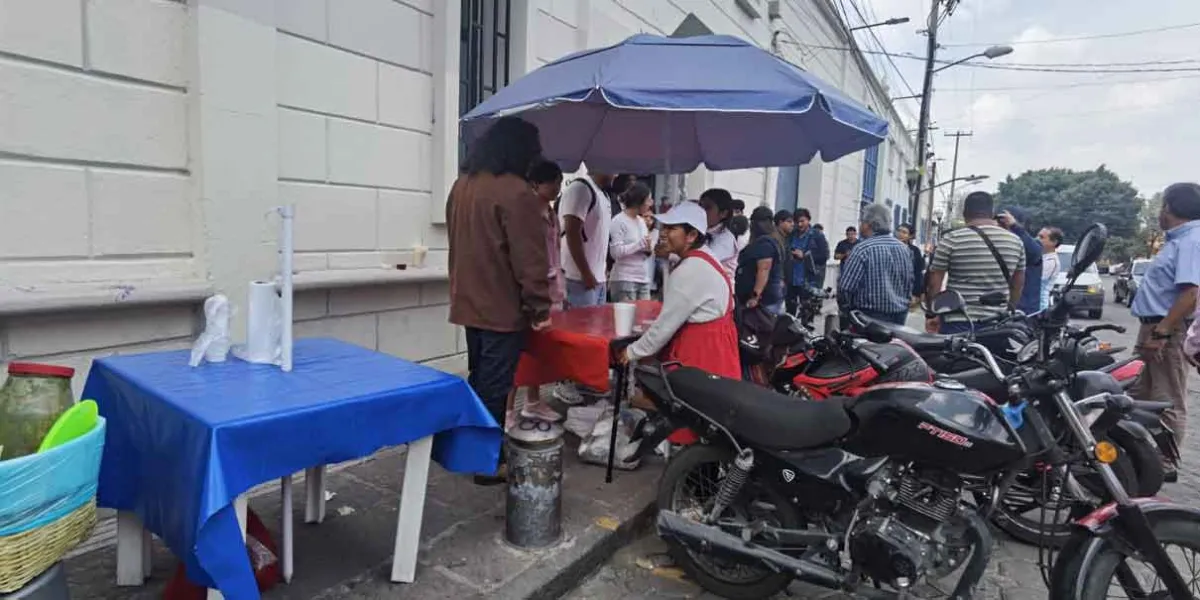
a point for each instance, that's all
(947, 302)
(994, 299)
(1089, 249)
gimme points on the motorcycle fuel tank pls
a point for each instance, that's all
(942, 425)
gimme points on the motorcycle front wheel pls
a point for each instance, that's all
(1100, 567)
(1022, 510)
(689, 488)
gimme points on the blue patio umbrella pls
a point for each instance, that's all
(655, 104)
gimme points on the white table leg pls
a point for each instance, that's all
(285, 486)
(239, 507)
(412, 509)
(131, 551)
(314, 503)
(147, 552)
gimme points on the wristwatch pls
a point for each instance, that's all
(1155, 334)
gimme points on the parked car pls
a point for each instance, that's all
(1087, 295)
(1127, 283)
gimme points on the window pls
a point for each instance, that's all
(870, 173)
(484, 51)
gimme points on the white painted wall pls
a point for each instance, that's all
(143, 142)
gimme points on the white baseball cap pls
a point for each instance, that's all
(686, 213)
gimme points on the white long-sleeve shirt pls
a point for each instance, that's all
(627, 246)
(695, 293)
(723, 247)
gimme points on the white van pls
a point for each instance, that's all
(1087, 296)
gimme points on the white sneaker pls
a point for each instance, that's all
(540, 410)
(568, 394)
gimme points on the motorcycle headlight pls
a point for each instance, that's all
(1093, 289)
(1028, 352)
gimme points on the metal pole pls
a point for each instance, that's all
(958, 136)
(914, 200)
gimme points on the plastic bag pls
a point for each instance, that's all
(595, 447)
(213, 344)
(264, 559)
(582, 419)
(41, 488)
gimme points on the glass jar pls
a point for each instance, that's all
(31, 400)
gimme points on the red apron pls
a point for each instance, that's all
(711, 346)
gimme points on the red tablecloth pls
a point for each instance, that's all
(576, 346)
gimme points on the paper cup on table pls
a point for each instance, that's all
(419, 253)
(623, 313)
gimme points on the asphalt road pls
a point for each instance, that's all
(637, 571)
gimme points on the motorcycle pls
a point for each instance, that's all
(865, 494)
(1014, 335)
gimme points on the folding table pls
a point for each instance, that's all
(185, 444)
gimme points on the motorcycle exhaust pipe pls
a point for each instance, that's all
(707, 539)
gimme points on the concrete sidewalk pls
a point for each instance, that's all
(463, 554)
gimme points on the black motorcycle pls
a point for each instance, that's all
(866, 494)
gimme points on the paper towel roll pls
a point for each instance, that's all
(262, 324)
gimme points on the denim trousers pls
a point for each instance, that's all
(492, 364)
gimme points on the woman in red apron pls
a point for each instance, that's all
(695, 327)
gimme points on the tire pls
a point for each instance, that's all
(1029, 530)
(691, 459)
(1085, 569)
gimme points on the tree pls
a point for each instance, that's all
(1074, 200)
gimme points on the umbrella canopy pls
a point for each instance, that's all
(656, 104)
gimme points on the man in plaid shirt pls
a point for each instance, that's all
(877, 277)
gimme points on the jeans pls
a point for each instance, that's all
(579, 296)
(775, 309)
(629, 291)
(954, 327)
(492, 364)
(900, 318)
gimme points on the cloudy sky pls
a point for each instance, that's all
(1143, 124)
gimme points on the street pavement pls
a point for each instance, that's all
(637, 571)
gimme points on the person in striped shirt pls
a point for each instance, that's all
(964, 262)
(877, 277)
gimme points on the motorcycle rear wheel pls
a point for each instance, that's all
(1089, 570)
(701, 462)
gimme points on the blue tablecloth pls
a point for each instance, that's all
(184, 442)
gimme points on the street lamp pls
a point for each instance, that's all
(894, 21)
(970, 179)
(927, 92)
(991, 53)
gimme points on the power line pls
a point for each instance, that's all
(1036, 88)
(1181, 61)
(1100, 36)
(1036, 67)
(1066, 70)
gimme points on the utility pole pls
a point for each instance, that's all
(914, 200)
(929, 213)
(958, 136)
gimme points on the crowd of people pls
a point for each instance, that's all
(522, 245)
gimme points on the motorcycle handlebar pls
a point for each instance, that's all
(963, 346)
(1103, 327)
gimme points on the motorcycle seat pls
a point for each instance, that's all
(760, 415)
(919, 340)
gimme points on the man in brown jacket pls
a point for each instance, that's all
(499, 287)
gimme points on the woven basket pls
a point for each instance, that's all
(28, 554)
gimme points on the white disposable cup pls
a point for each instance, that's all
(623, 313)
(419, 253)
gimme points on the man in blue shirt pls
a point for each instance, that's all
(877, 277)
(1014, 220)
(809, 252)
(1165, 302)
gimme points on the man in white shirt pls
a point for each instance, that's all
(586, 218)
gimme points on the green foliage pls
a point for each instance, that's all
(1074, 200)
